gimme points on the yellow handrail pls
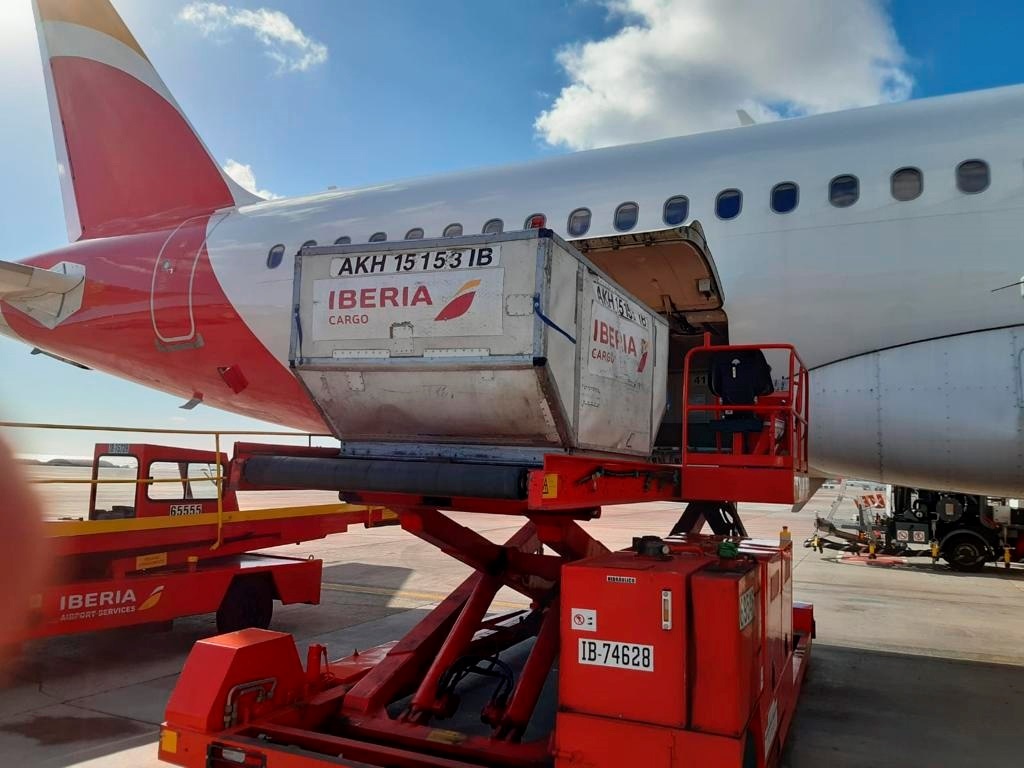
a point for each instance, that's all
(216, 433)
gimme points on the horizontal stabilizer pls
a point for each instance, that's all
(21, 281)
(49, 296)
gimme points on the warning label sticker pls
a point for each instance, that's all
(583, 620)
(550, 488)
(418, 305)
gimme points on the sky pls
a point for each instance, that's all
(293, 96)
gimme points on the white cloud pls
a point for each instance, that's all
(685, 66)
(246, 178)
(286, 44)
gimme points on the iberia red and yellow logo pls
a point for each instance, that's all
(153, 599)
(643, 356)
(461, 302)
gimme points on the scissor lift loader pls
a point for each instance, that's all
(686, 651)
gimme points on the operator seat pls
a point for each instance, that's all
(739, 378)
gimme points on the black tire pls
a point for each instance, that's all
(965, 552)
(249, 602)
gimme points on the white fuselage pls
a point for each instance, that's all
(916, 357)
(836, 282)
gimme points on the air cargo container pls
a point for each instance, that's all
(488, 346)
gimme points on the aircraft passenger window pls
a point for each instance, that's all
(493, 227)
(378, 237)
(535, 221)
(728, 203)
(343, 240)
(275, 256)
(843, 191)
(676, 210)
(579, 222)
(308, 244)
(416, 233)
(785, 196)
(626, 216)
(972, 176)
(907, 184)
(452, 230)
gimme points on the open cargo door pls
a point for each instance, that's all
(671, 270)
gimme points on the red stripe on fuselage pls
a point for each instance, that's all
(135, 162)
(113, 331)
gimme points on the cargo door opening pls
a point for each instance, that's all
(673, 272)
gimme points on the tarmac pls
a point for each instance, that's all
(913, 665)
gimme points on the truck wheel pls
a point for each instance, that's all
(965, 552)
(249, 602)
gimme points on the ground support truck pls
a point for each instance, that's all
(967, 531)
(182, 550)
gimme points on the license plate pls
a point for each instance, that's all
(609, 653)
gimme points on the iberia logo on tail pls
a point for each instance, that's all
(461, 302)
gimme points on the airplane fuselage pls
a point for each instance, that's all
(857, 289)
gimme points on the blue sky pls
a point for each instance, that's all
(409, 88)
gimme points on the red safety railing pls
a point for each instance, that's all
(782, 441)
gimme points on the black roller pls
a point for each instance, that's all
(423, 478)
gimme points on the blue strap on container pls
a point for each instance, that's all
(547, 320)
(298, 328)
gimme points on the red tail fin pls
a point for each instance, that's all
(127, 156)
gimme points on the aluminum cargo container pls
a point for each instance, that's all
(485, 346)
